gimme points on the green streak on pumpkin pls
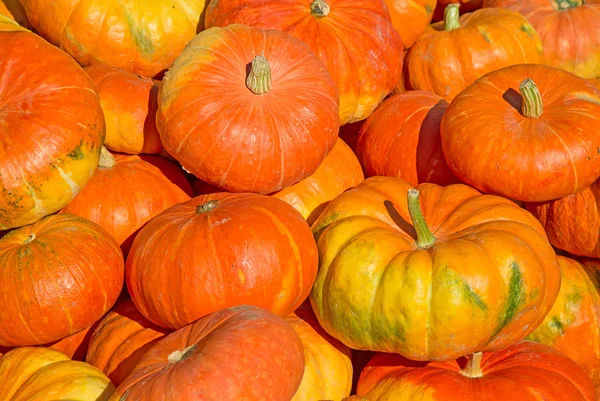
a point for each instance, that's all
(469, 295)
(528, 29)
(318, 229)
(516, 294)
(485, 35)
(556, 326)
(76, 153)
(140, 35)
(428, 9)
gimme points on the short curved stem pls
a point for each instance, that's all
(29, 238)
(532, 99)
(451, 17)
(259, 78)
(473, 368)
(319, 9)
(107, 160)
(424, 236)
(207, 207)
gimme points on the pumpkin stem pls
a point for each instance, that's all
(106, 159)
(473, 368)
(424, 236)
(451, 15)
(319, 9)
(29, 238)
(259, 78)
(206, 207)
(532, 99)
(177, 356)
(566, 4)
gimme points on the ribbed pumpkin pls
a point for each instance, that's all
(573, 324)
(129, 103)
(466, 48)
(355, 40)
(240, 353)
(42, 374)
(570, 31)
(120, 340)
(51, 129)
(432, 273)
(526, 132)
(402, 139)
(59, 276)
(410, 18)
(524, 371)
(259, 130)
(127, 191)
(217, 251)
(143, 38)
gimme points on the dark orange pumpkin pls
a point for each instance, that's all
(534, 146)
(410, 18)
(257, 131)
(241, 353)
(402, 139)
(355, 40)
(59, 276)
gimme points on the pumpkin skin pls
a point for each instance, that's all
(531, 159)
(573, 324)
(129, 102)
(402, 139)
(41, 374)
(571, 37)
(525, 371)
(237, 353)
(217, 251)
(435, 303)
(49, 110)
(410, 18)
(120, 340)
(139, 188)
(74, 252)
(229, 136)
(140, 38)
(363, 78)
(8, 24)
(447, 62)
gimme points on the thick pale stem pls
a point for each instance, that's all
(259, 78)
(532, 99)
(29, 238)
(106, 159)
(424, 236)
(177, 356)
(473, 368)
(206, 207)
(451, 14)
(566, 4)
(319, 9)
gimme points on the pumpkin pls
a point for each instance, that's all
(596, 82)
(466, 48)
(243, 352)
(402, 139)
(9, 24)
(524, 371)
(536, 140)
(410, 18)
(217, 251)
(569, 29)
(355, 40)
(466, 6)
(573, 324)
(127, 191)
(140, 38)
(59, 276)
(259, 131)
(42, 374)
(51, 128)
(120, 340)
(129, 102)
(14, 10)
(431, 273)
(328, 365)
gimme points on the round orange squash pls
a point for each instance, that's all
(410, 18)
(466, 48)
(526, 132)
(59, 276)
(256, 131)
(355, 40)
(240, 353)
(466, 273)
(51, 129)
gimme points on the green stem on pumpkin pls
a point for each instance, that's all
(107, 160)
(259, 78)
(319, 9)
(451, 15)
(177, 356)
(532, 99)
(473, 368)
(206, 207)
(29, 238)
(424, 236)
(567, 4)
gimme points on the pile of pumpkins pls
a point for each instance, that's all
(299, 200)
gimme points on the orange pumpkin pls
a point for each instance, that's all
(8, 24)
(129, 103)
(466, 48)
(466, 273)
(596, 82)
(355, 40)
(570, 31)
(259, 131)
(402, 139)
(240, 353)
(410, 18)
(60, 275)
(127, 191)
(534, 146)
